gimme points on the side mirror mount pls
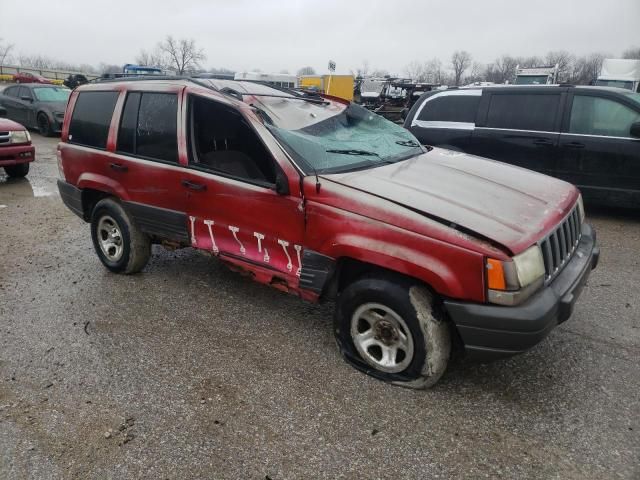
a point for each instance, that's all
(282, 184)
(634, 131)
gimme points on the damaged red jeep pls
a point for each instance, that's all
(421, 248)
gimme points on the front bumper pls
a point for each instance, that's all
(16, 154)
(490, 332)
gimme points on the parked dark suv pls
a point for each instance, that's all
(589, 136)
(322, 198)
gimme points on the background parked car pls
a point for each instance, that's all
(75, 80)
(16, 151)
(589, 136)
(26, 77)
(36, 106)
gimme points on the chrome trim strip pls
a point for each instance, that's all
(434, 124)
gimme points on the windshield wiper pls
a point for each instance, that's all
(353, 152)
(407, 143)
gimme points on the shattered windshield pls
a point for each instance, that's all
(353, 139)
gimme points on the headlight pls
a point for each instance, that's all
(581, 209)
(512, 282)
(20, 136)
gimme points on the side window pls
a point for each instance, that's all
(601, 116)
(91, 118)
(12, 91)
(222, 141)
(523, 111)
(451, 108)
(148, 127)
(25, 92)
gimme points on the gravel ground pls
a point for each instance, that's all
(190, 371)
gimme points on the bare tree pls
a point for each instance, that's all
(306, 71)
(380, 72)
(5, 50)
(182, 55)
(460, 61)
(433, 71)
(477, 73)
(154, 58)
(502, 69)
(415, 71)
(530, 62)
(564, 60)
(632, 53)
(107, 68)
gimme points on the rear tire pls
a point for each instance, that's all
(17, 171)
(119, 243)
(391, 328)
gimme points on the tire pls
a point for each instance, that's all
(17, 171)
(44, 125)
(123, 250)
(394, 305)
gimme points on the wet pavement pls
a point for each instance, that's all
(188, 370)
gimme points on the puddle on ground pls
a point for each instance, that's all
(26, 187)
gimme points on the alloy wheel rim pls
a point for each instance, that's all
(382, 338)
(110, 238)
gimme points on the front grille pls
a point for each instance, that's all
(558, 247)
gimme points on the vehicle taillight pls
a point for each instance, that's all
(60, 167)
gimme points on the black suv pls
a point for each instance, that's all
(589, 136)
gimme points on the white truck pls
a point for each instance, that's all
(543, 75)
(621, 73)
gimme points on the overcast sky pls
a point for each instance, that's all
(272, 36)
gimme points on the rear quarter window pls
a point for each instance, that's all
(523, 111)
(451, 108)
(91, 118)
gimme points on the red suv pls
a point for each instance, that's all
(16, 151)
(420, 247)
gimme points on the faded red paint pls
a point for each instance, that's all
(434, 217)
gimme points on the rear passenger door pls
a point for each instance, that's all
(598, 154)
(521, 128)
(446, 119)
(146, 162)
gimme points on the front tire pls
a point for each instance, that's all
(17, 171)
(44, 125)
(392, 329)
(119, 243)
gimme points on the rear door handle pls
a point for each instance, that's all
(118, 167)
(543, 142)
(573, 145)
(199, 187)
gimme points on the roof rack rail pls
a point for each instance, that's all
(145, 78)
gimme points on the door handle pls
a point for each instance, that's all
(199, 187)
(543, 142)
(118, 167)
(573, 145)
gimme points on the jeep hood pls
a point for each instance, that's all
(507, 205)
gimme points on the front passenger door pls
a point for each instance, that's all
(233, 207)
(597, 151)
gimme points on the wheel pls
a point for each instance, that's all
(392, 329)
(44, 126)
(119, 243)
(17, 171)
